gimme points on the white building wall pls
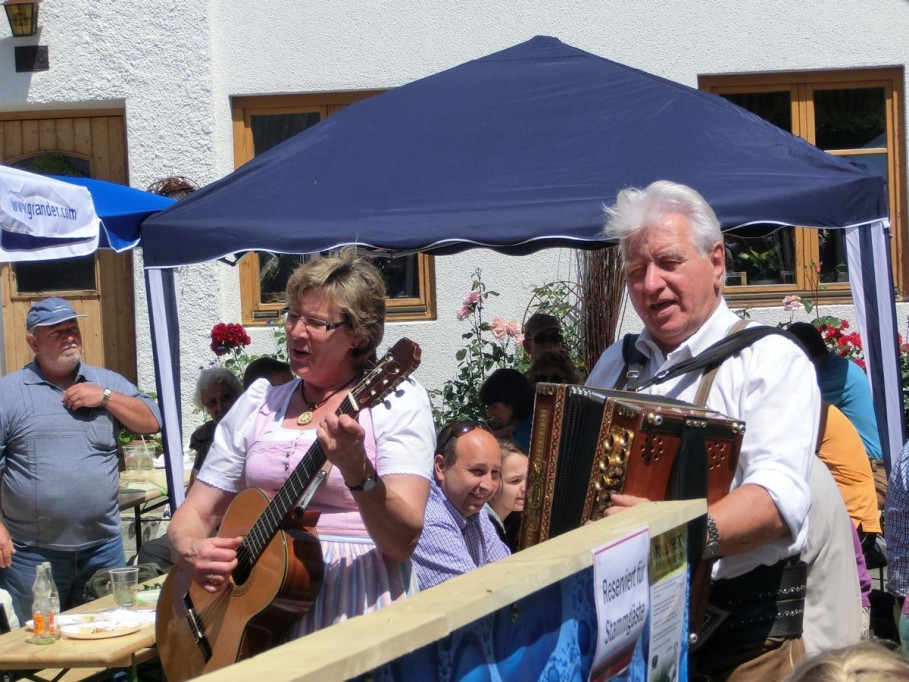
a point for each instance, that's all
(175, 66)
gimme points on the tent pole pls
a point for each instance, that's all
(872, 293)
(160, 288)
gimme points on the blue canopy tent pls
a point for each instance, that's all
(518, 151)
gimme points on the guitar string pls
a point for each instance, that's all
(267, 526)
(261, 532)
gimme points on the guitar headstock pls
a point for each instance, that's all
(396, 365)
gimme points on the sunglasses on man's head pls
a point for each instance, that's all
(547, 337)
(458, 429)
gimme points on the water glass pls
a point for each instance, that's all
(125, 584)
(147, 461)
(131, 455)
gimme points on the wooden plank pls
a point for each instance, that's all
(100, 149)
(12, 136)
(116, 138)
(30, 137)
(65, 141)
(59, 113)
(82, 137)
(47, 135)
(361, 644)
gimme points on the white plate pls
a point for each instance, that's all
(99, 629)
(64, 620)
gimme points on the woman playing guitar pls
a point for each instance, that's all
(371, 503)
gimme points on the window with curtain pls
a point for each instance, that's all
(854, 114)
(260, 123)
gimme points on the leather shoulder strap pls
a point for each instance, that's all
(716, 354)
(634, 364)
(700, 398)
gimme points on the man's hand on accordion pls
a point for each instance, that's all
(622, 502)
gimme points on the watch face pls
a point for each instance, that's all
(369, 484)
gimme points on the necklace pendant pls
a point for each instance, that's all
(304, 418)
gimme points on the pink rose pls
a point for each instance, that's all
(792, 303)
(497, 327)
(463, 313)
(472, 298)
(513, 329)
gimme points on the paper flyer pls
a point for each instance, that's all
(621, 579)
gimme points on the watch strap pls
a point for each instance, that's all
(368, 484)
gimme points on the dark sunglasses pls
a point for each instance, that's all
(458, 429)
(543, 337)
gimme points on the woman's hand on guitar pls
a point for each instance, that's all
(213, 561)
(342, 440)
(622, 502)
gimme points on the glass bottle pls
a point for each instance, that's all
(54, 619)
(43, 619)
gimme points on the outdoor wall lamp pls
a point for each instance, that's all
(23, 16)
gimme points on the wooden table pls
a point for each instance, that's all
(143, 491)
(78, 658)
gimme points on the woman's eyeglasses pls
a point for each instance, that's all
(311, 323)
(544, 337)
(458, 429)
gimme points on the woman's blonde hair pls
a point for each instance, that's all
(508, 448)
(356, 287)
(862, 662)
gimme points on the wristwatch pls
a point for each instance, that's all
(712, 546)
(106, 397)
(368, 484)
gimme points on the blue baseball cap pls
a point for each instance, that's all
(49, 312)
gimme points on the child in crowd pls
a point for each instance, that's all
(507, 503)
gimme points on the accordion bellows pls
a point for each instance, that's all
(587, 444)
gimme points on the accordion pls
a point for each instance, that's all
(587, 444)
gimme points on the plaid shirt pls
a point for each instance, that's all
(896, 526)
(452, 544)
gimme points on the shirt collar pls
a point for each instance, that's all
(32, 374)
(455, 513)
(715, 327)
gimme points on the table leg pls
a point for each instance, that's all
(138, 512)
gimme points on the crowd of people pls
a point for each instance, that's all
(404, 507)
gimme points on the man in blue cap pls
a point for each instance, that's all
(59, 420)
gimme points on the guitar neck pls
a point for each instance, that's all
(287, 496)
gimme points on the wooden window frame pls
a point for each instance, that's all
(802, 85)
(256, 313)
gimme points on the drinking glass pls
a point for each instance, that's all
(125, 584)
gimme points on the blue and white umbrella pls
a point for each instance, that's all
(44, 218)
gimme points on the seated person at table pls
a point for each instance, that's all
(275, 371)
(508, 397)
(217, 388)
(374, 497)
(507, 503)
(59, 420)
(458, 535)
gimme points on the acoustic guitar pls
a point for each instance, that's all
(279, 563)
